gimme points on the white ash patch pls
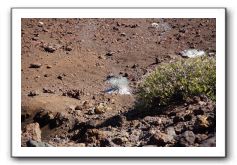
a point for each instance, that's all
(163, 26)
(191, 53)
(118, 84)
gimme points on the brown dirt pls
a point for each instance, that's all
(65, 63)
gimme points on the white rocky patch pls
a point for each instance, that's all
(160, 26)
(191, 53)
(118, 84)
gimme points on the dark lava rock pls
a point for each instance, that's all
(61, 76)
(48, 90)
(177, 119)
(120, 140)
(109, 53)
(57, 120)
(24, 117)
(49, 49)
(35, 65)
(33, 93)
(198, 112)
(87, 125)
(105, 143)
(43, 117)
(187, 139)
(73, 93)
(32, 143)
(115, 121)
(188, 117)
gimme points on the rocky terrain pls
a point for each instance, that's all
(65, 65)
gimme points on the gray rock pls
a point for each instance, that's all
(187, 138)
(33, 143)
(211, 142)
(170, 131)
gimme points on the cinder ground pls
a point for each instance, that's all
(65, 63)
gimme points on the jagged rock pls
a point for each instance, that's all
(160, 139)
(32, 131)
(101, 108)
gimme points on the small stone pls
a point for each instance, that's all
(50, 49)
(123, 34)
(35, 38)
(33, 93)
(35, 65)
(101, 108)
(91, 111)
(125, 75)
(102, 57)
(135, 66)
(110, 53)
(49, 66)
(212, 54)
(45, 30)
(47, 90)
(115, 28)
(78, 107)
(40, 24)
(68, 48)
(154, 25)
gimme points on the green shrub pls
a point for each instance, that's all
(175, 81)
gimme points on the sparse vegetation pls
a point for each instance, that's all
(175, 81)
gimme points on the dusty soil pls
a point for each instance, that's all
(65, 63)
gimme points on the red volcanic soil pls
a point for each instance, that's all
(65, 63)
